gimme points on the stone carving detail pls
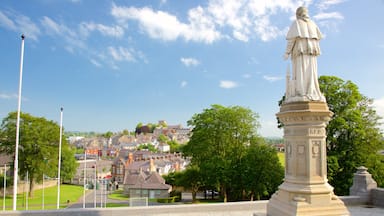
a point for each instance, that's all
(316, 131)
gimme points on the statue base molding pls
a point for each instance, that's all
(305, 190)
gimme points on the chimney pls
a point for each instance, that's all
(152, 167)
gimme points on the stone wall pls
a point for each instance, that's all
(378, 197)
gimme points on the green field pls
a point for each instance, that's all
(281, 156)
(67, 192)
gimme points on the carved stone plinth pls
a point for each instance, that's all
(305, 190)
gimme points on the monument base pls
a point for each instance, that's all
(305, 190)
(289, 204)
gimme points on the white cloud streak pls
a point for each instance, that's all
(183, 84)
(228, 84)
(272, 78)
(112, 31)
(8, 96)
(189, 61)
(333, 15)
(19, 23)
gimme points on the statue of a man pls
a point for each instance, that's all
(303, 46)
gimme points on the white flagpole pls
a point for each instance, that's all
(16, 163)
(59, 166)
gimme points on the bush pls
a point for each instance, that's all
(176, 194)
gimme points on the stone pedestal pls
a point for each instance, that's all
(305, 190)
(363, 183)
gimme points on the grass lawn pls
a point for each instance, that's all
(67, 192)
(118, 195)
(281, 156)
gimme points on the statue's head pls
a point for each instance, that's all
(302, 13)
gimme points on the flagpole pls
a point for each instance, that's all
(16, 163)
(59, 166)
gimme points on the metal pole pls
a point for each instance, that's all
(85, 174)
(101, 195)
(42, 203)
(94, 189)
(16, 163)
(5, 185)
(27, 193)
(59, 166)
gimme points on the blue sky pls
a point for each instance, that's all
(113, 64)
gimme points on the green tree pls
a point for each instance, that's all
(220, 136)
(38, 147)
(174, 146)
(262, 170)
(108, 134)
(190, 179)
(162, 138)
(148, 147)
(353, 135)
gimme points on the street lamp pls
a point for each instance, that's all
(59, 166)
(16, 163)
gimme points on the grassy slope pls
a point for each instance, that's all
(67, 192)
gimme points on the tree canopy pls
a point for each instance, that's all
(221, 139)
(353, 135)
(38, 147)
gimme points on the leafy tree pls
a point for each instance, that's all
(353, 135)
(148, 147)
(162, 138)
(174, 146)
(38, 147)
(189, 179)
(220, 136)
(125, 132)
(262, 170)
(108, 134)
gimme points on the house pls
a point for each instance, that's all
(163, 163)
(145, 183)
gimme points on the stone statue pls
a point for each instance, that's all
(303, 46)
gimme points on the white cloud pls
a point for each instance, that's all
(20, 23)
(227, 84)
(122, 54)
(8, 96)
(325, 4)
(378, 104)
(326, 16)
(96, 63)
(243, 20)
(183, 84)
(112, 31)
(272, 78)
(164, 26)
(6, 22)
(71, 37)
(189, 61)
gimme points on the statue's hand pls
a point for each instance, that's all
(286, 56)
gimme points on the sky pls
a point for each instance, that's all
(113, 64)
